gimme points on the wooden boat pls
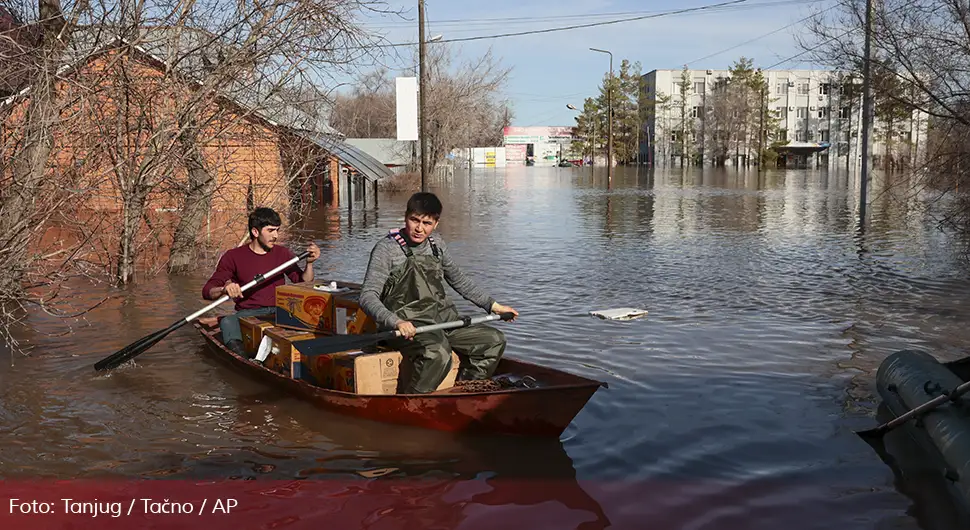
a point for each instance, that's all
(545, 411)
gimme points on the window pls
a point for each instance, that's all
(810, 135)
(823, 89)
(697, 112)
(801, 112)
(823, 136)
(800, 136)
(781, 87)
(699, 87)
(823, 113)
(676, 88)
(845, 113)
(803, 88)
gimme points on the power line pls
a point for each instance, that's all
(505, 21)
(576, 26)
(843, 34)
(759, 37)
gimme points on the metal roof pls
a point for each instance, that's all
(371, 168)
(390, 151)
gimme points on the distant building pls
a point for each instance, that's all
(819, 114)
(541, 146)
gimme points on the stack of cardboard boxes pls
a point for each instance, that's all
(310, 312)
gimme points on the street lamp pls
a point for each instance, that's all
(592, 140)
(421, 93)
(609, 104)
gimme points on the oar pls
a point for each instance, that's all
(139, 346)
(878, 432)
(339, 343)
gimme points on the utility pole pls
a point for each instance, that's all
(609, 117)
(866, 115)
(639, 126)
(761, 128)
(609, 139)
(421, 93)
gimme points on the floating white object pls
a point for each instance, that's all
(623, 313)
(332, 288)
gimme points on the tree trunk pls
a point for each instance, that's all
(132, 211)
(29, 166)
(195, 210)
(890, 126)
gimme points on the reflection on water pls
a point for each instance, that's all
(731, 405)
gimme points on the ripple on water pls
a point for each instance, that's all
(727, 407)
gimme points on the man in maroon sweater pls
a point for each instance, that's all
(240, 265)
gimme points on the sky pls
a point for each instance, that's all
(550, 70)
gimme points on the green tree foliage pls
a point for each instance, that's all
(630, 109)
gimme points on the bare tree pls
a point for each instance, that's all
(369, 110)
(128, 107)
(464, 107)
(222, 62)
(921, 56)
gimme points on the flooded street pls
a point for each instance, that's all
(732, 405)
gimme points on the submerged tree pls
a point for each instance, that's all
(920, 56)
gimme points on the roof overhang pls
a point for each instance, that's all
(371, 168)
(802, 148)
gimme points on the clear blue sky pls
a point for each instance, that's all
(550, 70)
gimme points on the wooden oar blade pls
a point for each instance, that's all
(135, 348)
(872, 435)
(128, 352)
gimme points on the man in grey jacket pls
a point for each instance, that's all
(404, 288)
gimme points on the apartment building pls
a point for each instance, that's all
(818, 115)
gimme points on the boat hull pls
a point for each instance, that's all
(909, 378)
(538, 412)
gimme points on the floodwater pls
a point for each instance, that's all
(732, 405)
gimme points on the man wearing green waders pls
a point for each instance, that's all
(404, 288)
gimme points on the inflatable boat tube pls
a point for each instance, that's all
(909, 378)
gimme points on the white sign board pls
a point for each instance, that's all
(407, 108)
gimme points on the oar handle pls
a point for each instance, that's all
(464, 322)
(931, 404)
(255, 281)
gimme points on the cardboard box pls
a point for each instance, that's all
(363, 372)
(366, 373)
(449, 381)
(285, 356)
(349, 318)
(301, 306)
(252, 331)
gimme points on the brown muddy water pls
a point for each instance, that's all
(732, 405)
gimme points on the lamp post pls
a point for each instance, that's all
(421, 94)
(592, 140)
(609, 118)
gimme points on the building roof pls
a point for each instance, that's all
(192, 54)
(389, 151)
(366, 164)
(196, 54)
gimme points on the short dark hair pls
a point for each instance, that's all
(424, 203)
(261, 218)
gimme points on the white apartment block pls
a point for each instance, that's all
(819, 119)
